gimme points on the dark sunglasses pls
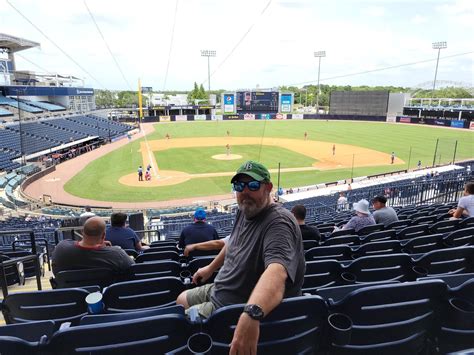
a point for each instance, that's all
(239, 186)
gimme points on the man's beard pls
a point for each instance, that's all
(250, 208)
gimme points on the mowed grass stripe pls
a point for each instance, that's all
(99, 180)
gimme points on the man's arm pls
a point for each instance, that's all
(209, 245)
(458, 213)
(206, 272)
(267, 294)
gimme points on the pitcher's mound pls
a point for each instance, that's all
(226, 157)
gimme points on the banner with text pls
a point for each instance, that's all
(165, 118)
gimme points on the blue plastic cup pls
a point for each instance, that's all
(94, 303)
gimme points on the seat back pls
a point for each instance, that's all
(63, 305)
(151, 335)
(24, 338)
(154, 269)
(379, 236)
(370, 229)
(347, 240)
(157, 256)
(84, 277)
(394, 267)
(308, 244)
(461, 237)
(444, 226)
(448, 261)
(335, 252)
(341, 232)
(399, 224)
(395, 318)
(423, 244)
(289, 329)
(135, 295)
(374, 248)
(413, 232)
(320, 274)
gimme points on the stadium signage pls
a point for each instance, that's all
(217, 117)
(265, 116)
(249, 116)
(297, 116)
(199, 117)
(181, 117)
(471, 125)
(280, 116)
(165, 118)
(232, 117)
(85, 92)
(440, 122)
(405, 119)
(457, 123)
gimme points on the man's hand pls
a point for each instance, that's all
(202, 275)
(188, 250)
(107, 243)
(245, 336)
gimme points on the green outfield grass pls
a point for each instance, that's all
(99, 180)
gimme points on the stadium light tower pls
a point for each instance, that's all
(319, 55)
(439, 46)
(208, 53)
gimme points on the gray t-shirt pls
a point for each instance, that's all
(467, 203)
(69, 255)
(273, 236)
(385, 216)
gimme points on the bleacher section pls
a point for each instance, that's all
(5, 113)
(14, 103)
(45, 105)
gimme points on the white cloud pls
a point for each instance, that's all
(418, 19)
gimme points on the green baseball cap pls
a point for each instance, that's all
(253, 169)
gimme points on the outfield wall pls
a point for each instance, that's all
(467, 124)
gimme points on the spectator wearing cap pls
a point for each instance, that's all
(383, 214)
(197, 232)
(307, 232)
(262, 263)
(362, 219)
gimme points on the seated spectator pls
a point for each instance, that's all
(466, 203)
(341, 202)
(86, 215)
(122, 236)
(217, 244)
(362, 218)
(197, 232)
(307, 232)
(383, 214)
(91, 252)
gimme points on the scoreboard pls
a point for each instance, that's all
(257, 101)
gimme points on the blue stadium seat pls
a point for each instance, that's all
(155, 269)
(371, 229)
(320, 274)
(447, 261)
(394, 267)
(335, 252)
(391, 319)
(158, 256)
(294, 327)
(379, 236)
(461, 237)
(352, 240)
(25, 338)
(130, 296)
(377, 248)
(85, 277)
(424, 244)
(150, 335)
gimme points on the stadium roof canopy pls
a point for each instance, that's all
(16, 44)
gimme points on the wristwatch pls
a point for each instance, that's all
(254, 311)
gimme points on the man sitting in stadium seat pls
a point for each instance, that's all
(383, 214)
(262, 263)
(91, 252)
(362, 218)
(197, 232)
(466, 203)
(217, 244)
(124, 237)
(307, 232)
(86, 215)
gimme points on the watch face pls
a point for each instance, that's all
(254, 311)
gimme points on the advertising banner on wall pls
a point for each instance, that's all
(181, 117)
(231, 117)
(249, 116)
(264, 116)
(199, 117)
(471, 125)
(391, 119)
(229, 103)
(217, 117)
(286, 103)
(457, 123)
(280, 116)
(165, 118)
(297, 116)
(405, 119)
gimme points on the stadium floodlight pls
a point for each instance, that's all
(319, 55)
(208, 53)
(439, 46)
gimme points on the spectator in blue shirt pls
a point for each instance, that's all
(197, 232)
(119, 234)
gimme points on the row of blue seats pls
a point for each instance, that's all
(429, 316)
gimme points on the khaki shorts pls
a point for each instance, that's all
(200, 298)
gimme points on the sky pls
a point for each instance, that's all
(258, 43)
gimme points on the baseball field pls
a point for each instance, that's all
(193, 159)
